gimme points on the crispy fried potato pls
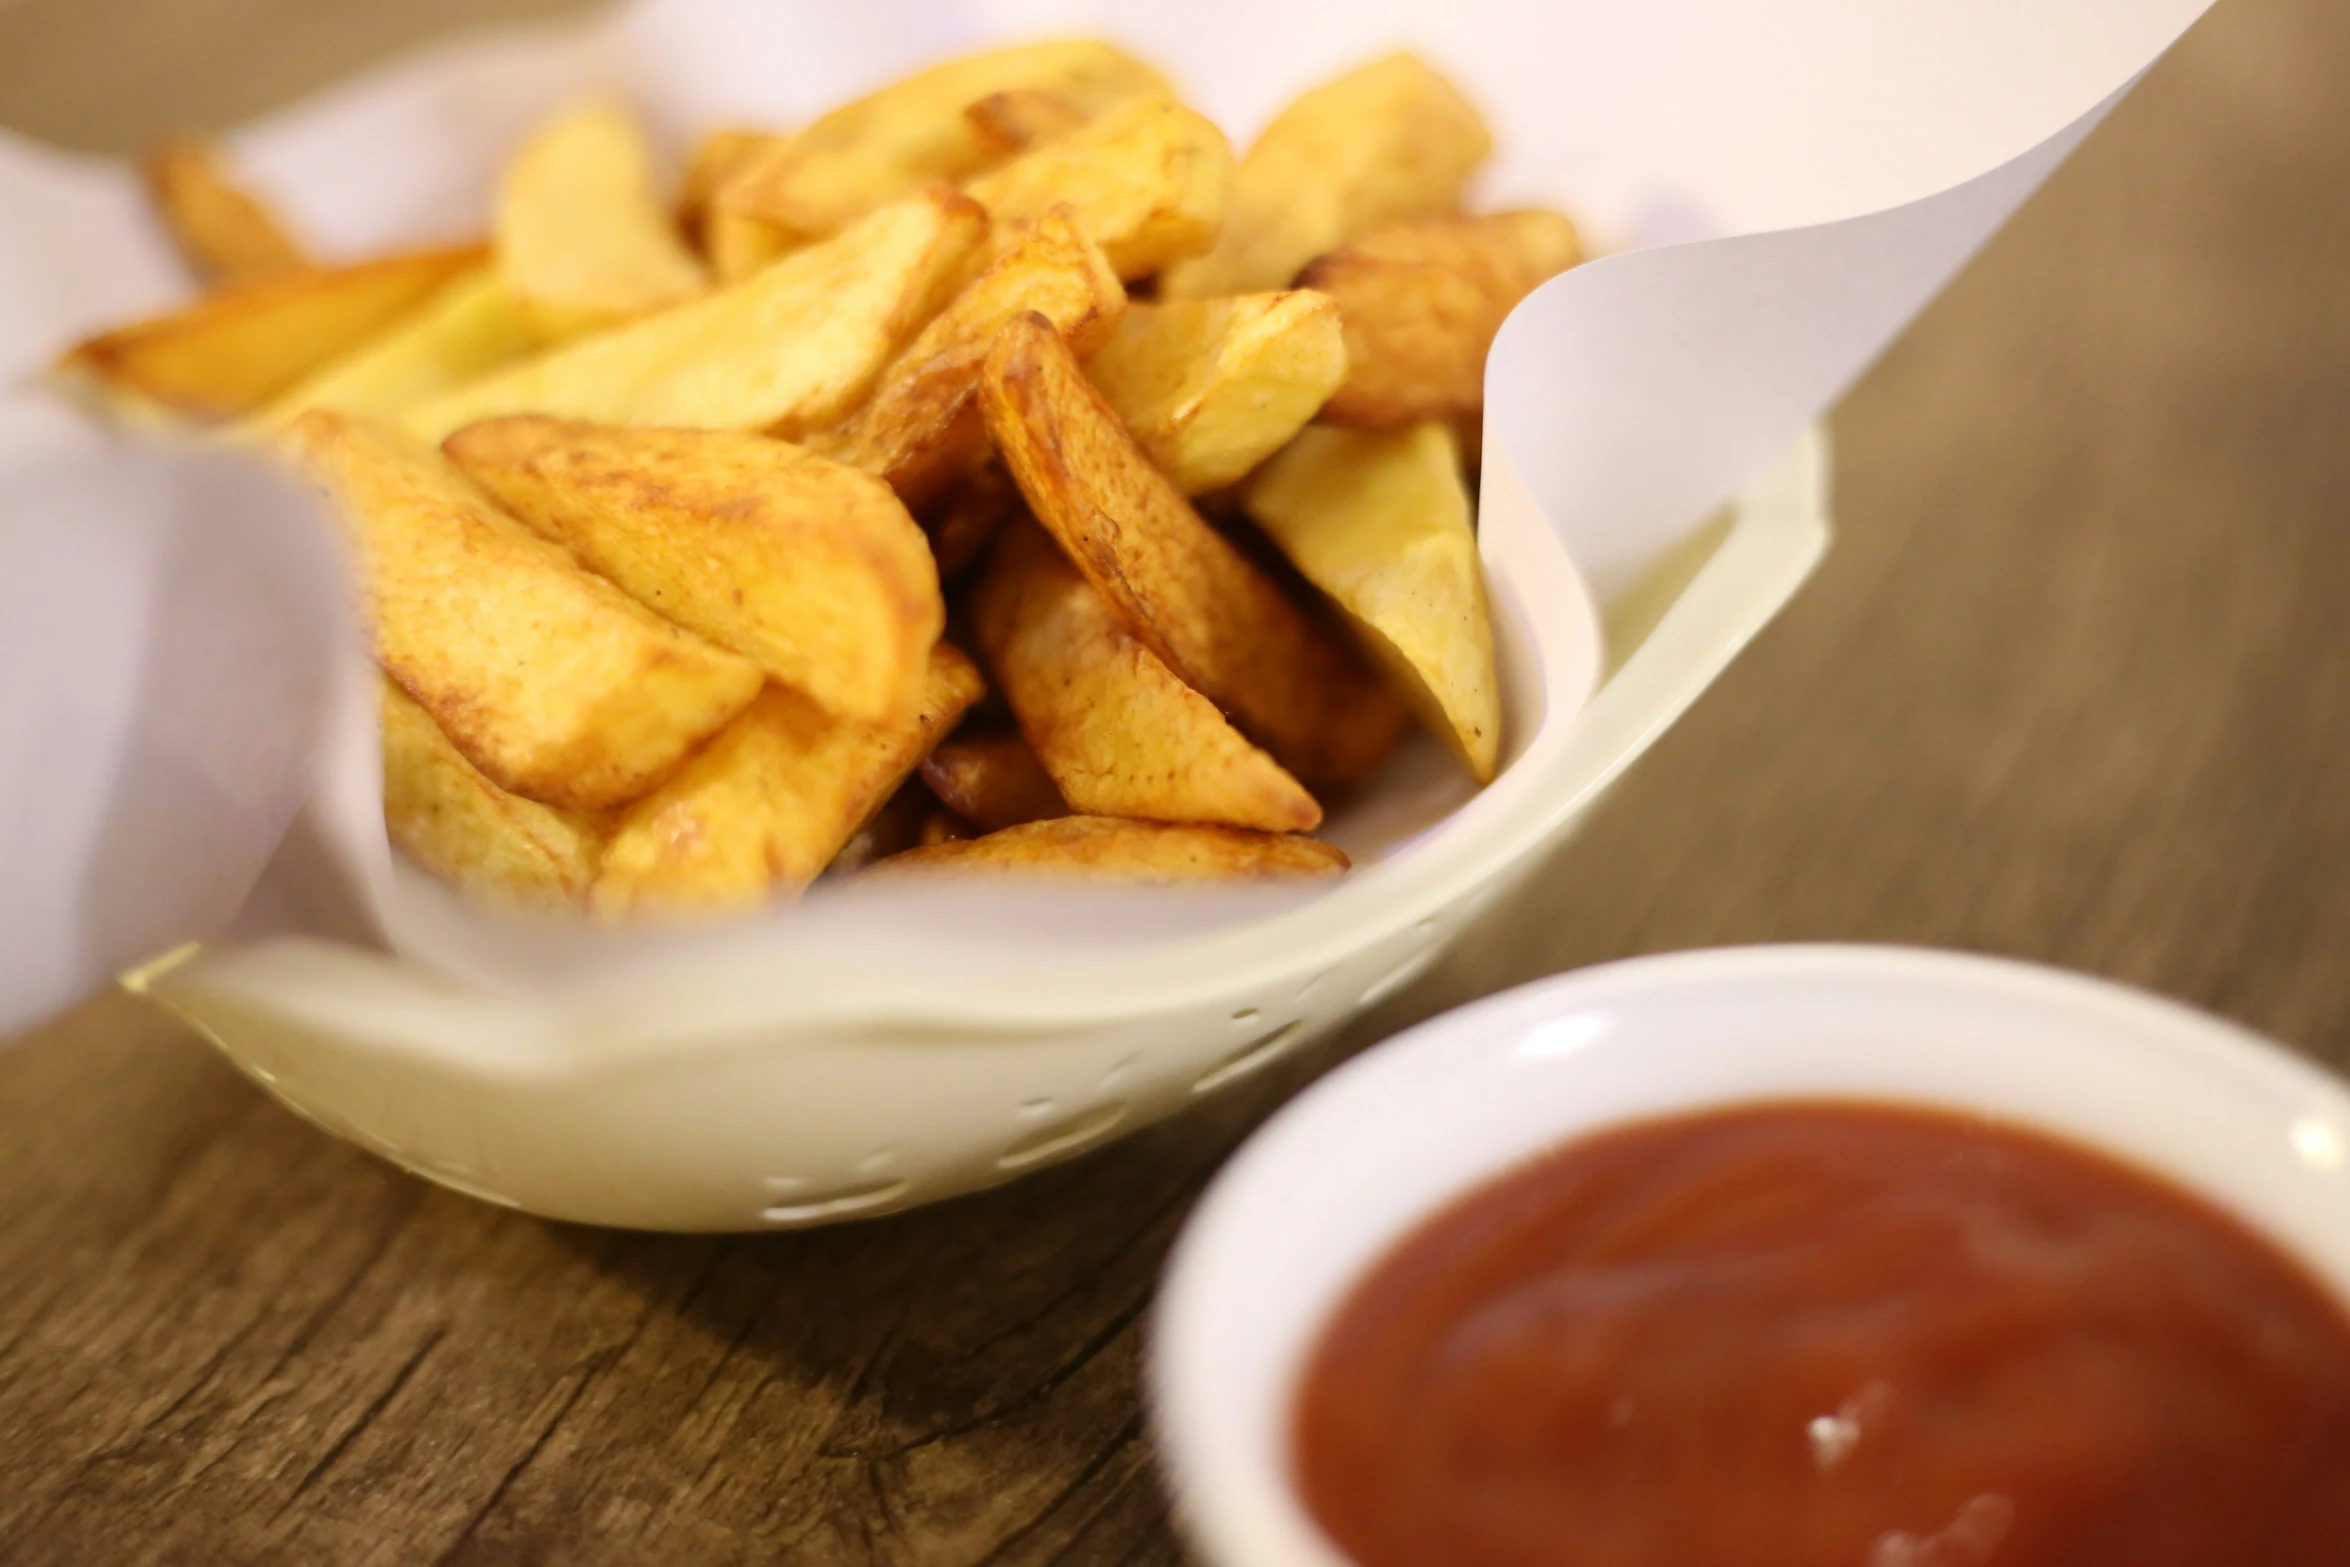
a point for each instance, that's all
(1422, 302)
(968, 518)
(921, 429)
(471, 327)
(229, 353)
(1117, 732)
(895, 141)
(1380, 522)
(793, 347)
(582, 238)
(1108, 849)
(992, 781)
(1148, 178)
(734, 243)
(811, 570)
(552, 681)
(1188, 595)
(484, 841)
(1212, 387)
(1383, 144)
(764, 807)
(1019, 118)
(226, 233)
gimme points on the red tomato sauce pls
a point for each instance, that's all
(1831, 1335)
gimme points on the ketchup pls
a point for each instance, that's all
(1831, 1335)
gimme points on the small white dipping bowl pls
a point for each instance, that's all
(1347, 1169)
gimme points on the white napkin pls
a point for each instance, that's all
(1786, 182)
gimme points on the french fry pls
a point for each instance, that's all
(226, 233)
(486, 842)
(1117, 732)
(790, 348)
(473, 326)
(992, 781)
(1385, 143)
(760, 811)
(1380, 523)
(1212, 387)
(230, 352)
(734, 243)
(1422, 302)
(551, 681)
(1109, 849)
(920, 429)
(1021, 118)
(1214, 618)
(1149, 178)
(582, 238)
(811, 570)
(897, 140)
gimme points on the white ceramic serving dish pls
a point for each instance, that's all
(1338, 1176)
(752, 1085)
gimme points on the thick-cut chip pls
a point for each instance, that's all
(483, 840)
(812, 570)
(734, 243)
(1020, 118)
(1108, 849)
(231, 352)
(1149, 178)
(470, 328)
(1422, 302)
(792, 347)
(917, 130)
(1212, 387)
(921, 429)
(227, 233)
(1188, 594)
(551, 680)
(582, 237)
(992, 781)
(1383, 144)
(1380, 522)
(1117, 732)
(762, 809)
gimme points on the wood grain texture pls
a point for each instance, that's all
(2074, 685)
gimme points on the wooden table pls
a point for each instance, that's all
(2075, 685)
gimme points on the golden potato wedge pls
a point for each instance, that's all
(1116, 731)
(1110, 849)
(230, 352)
(227, 234)
(893, 142)
(1212, 387)
(1422, 302)
(582, 238)
(1188, 595)
(481, 839)
(920, 429)
(1020, 118)
(1149, 178)
(471, 327)
(764, 807)
(1379, 521)
(813, 571)
(992, 781)
(790, 348)
(552, 681)
(1390, 141)
(734, 243)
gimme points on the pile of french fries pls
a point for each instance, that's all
(688, 521)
